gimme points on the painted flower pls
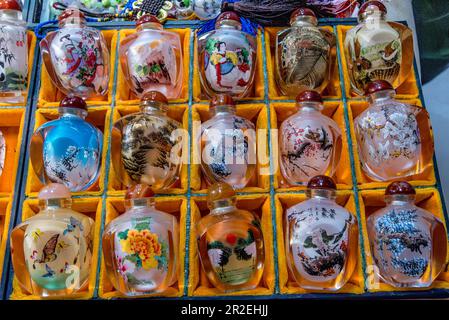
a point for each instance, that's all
(145, 245)
(91, 58)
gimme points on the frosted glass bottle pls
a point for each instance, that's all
(52, 251)
(141, 246)
(321, 239)
(408, 243)
(309, 142)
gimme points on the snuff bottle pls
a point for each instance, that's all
(303, 54)
(141, 246)
(227, 58)
(230, 242)
(68, 150)
(394, 138)
(309, 142)
(76, 57)
(13, 53)
(408, 244)
(52, 250)
(321, 238)
(147, 145)
(228, 144)
(151, 59)
(377, 49)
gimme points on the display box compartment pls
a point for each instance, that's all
(198, 284)
(99, 117)
(51, 96)
(332, 91)
(287, 284)
(258, 87)
(5, 217)
(91, 207)
(174, 205)
(333, 109)
(257, 114)
(373, 200)
(176, 112)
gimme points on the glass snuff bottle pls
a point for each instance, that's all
(304, 54)
(408, 244)
(377, 49)
(13, 53)
(394, 138)
(228, 144)
(310, 143)
(147, 145)
(76, 57)
(68, 150)
(183, 9)
(230, 242)
(321, 239)
(52, 250)
(151, 59)
(207, 9)
(141, 246)
(227, 58)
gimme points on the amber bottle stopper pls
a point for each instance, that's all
(153, 96)
(139, 191)
(309, 96)
(73, 102)
(54, 191)
(221, 99)
(219, 191)
(400, 187)
(147, 18)
(322, 182)
(10, 5)
(376, 86)
(369, 7)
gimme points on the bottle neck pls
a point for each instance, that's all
(309, 107)
(150, 26)
(55, 204)
(72, 112)
(222, 206)
(321, 194)
(381, 96)
(304, 21)
(228, 25)
(400, 199)
(139, 203)
(154, 107)
(10, 15)
(222, 110)
(72, 22)
(372, 18)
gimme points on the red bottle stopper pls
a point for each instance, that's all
(54, 191)
(10, 5)
(139, 191)
(154, 96)
(322, 182)
(309, 96)
(301, 12)
(147, 18)
(399, 187)
(71, 13)
(369, 7)
(376, 86)
(73, 102)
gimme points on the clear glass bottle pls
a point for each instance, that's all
(68, 150)
(309, 142)
(408, 243)
(321, 239)
(303, 54)
(151, 59)
(76, 57)
(228, 145)
(140, 247)
(207, 9)
(184, 9)
(13, 53)
(230, 242)
(52, 251)
(377, 49)
(394, 139)
(227, 58)
(147, 145)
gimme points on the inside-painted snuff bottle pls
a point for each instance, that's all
(52, 250)
(151, 59)
(309, 142)
(77, 57)
(228, 144)
(13, 53)
(141, 246)
(321, 238)
(394, 138)
(147, 145)
(303, 54)
(227, 58)
(206, 9)
(68, 150)
(408, 244)
(230, 242)
(377, 49)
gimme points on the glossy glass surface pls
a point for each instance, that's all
(207, 9)
(67, 150)
(408, 243)
(321, 241)
(141, 249)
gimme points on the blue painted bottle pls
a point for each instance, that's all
(68, 150)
